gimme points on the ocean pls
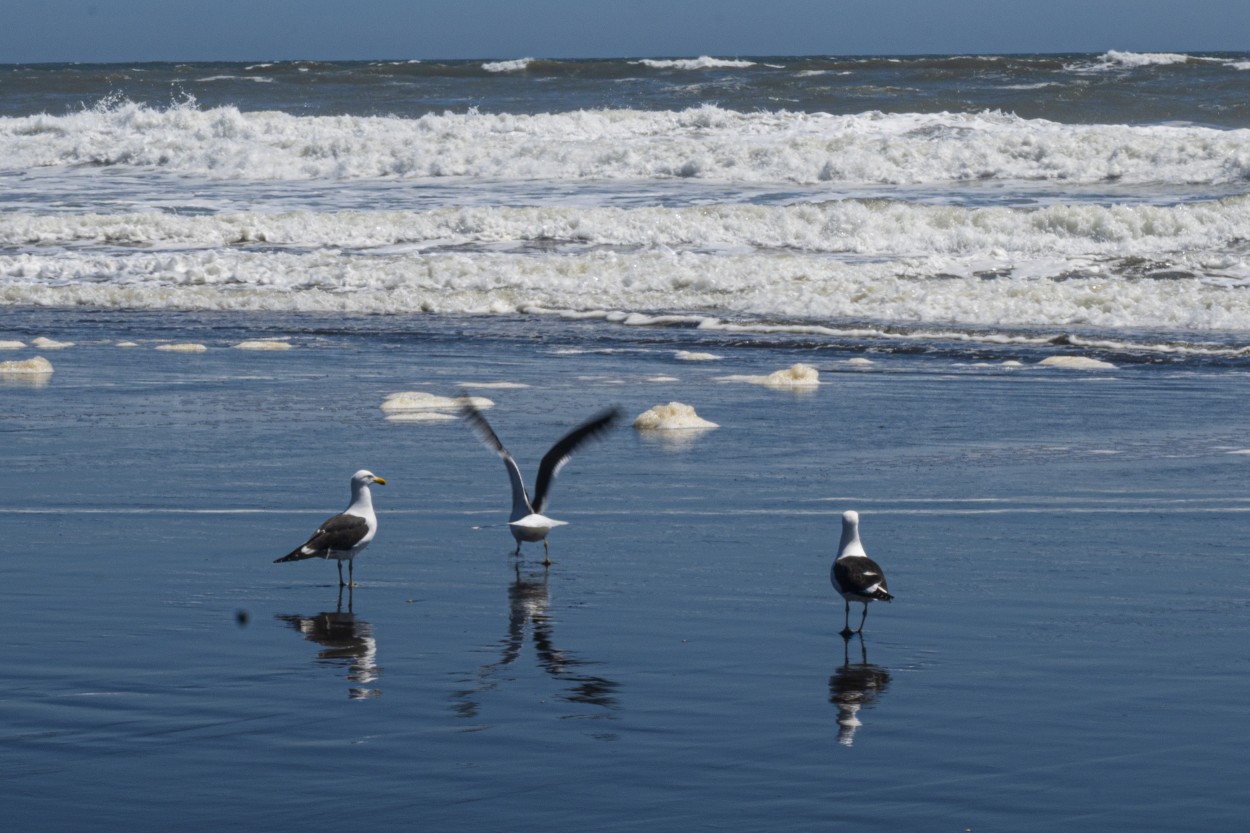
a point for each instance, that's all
(1022, 281)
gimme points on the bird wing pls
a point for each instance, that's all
(471, 415)
(340, 533)
(860, 575)
(560, 453)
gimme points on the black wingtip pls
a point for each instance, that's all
(477, 423)
(554, 460)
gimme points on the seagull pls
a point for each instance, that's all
(855, 576)
(527, 521)
(347, 533)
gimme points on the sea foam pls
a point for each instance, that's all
(675, 416)
(1076, 363)
(796, 376)
(36, 366)
(422, 406)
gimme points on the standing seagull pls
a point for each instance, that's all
(527, 521)
(347, 533)
(855, 576)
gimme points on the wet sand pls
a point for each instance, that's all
(1066, 547)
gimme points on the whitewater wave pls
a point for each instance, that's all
(515, 65)
(702, 62)
(705, 143)
(1144, 59)
(1198, 236)
(931, 290)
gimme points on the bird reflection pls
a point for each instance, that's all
(854, 686)
(528, 601)
(346, 641)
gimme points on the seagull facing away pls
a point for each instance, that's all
(527, 521)
(855, 576)
(347, 533)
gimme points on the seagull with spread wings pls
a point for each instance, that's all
(527, 521)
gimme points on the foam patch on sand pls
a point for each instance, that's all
(263, 344)
(11, 345)
(1076, 363)
(675, 416)
(182, 347)
(688, 356)
(859, 361)
(51, 344)
(796, 376)
(422, 406)
(663, 379)
(126, 344)
(38, 366)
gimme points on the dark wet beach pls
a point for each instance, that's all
(1067, 550)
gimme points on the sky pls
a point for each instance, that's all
(34, 31)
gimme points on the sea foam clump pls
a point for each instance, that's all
(422, 406)
(182, 347)
(51, 344)
(263, 344)
(1076, 363)
(675, 416)
(689, 356)
(38, 366)
(11, 345)
(796, 376)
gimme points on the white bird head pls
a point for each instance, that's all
(364, 477)
(849, 544)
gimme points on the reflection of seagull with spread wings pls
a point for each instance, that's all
(528, 602)
(345, 640)
(854, 686)
(527, 521)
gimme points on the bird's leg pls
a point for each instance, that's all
(546, 554)
(351, 575)
(862, 618)
(517, 551)
(340, 574)
(846, 621)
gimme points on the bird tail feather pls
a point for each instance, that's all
(296, 555)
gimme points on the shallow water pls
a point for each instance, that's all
(1066, 548)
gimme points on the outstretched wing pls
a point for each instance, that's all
(560, 453)
(471, 415)
(340, 533)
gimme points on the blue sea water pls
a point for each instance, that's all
(1065, 541)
